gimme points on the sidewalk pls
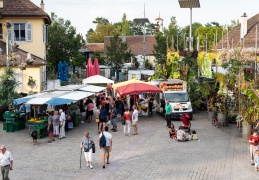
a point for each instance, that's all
(221, 153)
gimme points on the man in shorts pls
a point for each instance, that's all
(108, 148)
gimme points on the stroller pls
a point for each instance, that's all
(185, 118)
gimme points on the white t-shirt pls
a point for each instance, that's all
(108, 137)
(135, 115)
(180, 134)
(6, 158)
(62, 117)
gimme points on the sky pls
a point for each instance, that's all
(81, 13)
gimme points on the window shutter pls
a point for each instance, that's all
(18, 78)
(11, 34)
(44, 33)
(29, 32)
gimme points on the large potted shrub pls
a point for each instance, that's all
(249, 110)
(7, 90)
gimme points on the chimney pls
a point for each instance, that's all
(1, 3)
(243, 29)
(42, 5)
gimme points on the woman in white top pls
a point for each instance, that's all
(135, 120)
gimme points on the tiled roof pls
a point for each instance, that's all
(93, 47)
(234, 35)
(23, 8)
(23, 54)
(135, 44)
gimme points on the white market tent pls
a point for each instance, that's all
(41, 99)
(27, 98)
(72, 87)
(97, 79)
(70, 97)
(92, 88)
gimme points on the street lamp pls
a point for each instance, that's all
(190, 4)
(143, 21)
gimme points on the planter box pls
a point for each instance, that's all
(222, 118)
(246, 131)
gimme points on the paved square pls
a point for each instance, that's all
(221, 153)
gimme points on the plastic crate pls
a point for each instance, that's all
(4, 126)
(9, 127)
(41, 130)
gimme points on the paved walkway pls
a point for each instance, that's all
(220, 154)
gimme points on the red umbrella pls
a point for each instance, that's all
(90, 68)
(96, 66)
(137, 87)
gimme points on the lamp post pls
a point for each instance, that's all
(143, 21)
(8, 26)
(190, 4)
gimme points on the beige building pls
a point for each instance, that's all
(24, 24)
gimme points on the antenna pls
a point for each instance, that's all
(144, 11)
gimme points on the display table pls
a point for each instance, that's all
(143, 110)
(34, 122)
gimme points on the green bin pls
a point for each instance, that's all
(9, 127)
(16, 126)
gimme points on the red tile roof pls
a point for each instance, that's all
(23, 54)
(94, 47)
(135, 44)
(23, 8)
(234, 35)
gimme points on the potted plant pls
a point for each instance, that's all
(221, 109)
(249, 110)
(31, 83)
(22, 66)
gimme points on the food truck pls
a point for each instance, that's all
(174, 91)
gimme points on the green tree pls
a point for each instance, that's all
(101, 30)
(101, 21)
(117, 54)
(63, 43)
(160, 49)
(210, 32)
(7, 87)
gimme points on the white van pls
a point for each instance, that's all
(174, 91)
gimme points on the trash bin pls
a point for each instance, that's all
(9, 127)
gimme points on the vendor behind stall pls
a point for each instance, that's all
(22, 108)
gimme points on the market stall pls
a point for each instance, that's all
(14, 121)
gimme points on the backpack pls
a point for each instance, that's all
(103, 141)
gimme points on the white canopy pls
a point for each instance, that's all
(97, 79)
(70, 87)
(76, 95)
(38, 101)
(41, 99)
(92, 88)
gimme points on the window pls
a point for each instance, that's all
(44, 33)
(22, 32)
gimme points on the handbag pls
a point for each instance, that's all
(93, 148)
(97, 120)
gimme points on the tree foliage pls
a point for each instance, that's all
(117, 54)
(8, 87)
(63, 43)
